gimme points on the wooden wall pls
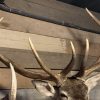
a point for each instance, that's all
(55, 11)
(50, 40)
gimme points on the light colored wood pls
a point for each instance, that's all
(19, 40)
(52, 50)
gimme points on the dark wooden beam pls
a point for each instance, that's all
(57, 12)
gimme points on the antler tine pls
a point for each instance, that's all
(69, 67)
(93, 17)
(14, 84)
(92, 68)
(45, 68)
(1, 19)
(82, 67)
(86, 52)
(97, 65)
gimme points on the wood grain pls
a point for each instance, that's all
(55, 52)
(19, 40)
(33, 26)
(56, 11)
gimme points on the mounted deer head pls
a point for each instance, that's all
(65, 88)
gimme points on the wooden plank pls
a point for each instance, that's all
(48, 3)
(19, 40)
(72, 15)
(34, 26)
(55, 52)
(53, 60)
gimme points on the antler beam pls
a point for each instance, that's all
(69, 67)
(45, 68)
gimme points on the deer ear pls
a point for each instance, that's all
(44, 87)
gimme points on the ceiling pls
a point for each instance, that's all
(91, 4)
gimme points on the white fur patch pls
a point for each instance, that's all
(92, 82)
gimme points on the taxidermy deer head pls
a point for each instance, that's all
(76, 87)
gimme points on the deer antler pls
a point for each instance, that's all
(53, 77)
(93, 17)
(14, 84)
(86, 52)
(14, 80)
(22, 71)
(68, 68)
(1, 19)
(82, 67)
(91, 69)
(13, 92)
(45, 68)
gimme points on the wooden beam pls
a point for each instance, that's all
(56, 11)
(19, 40)
(33, 26)
(53, 60)
(55, 52)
